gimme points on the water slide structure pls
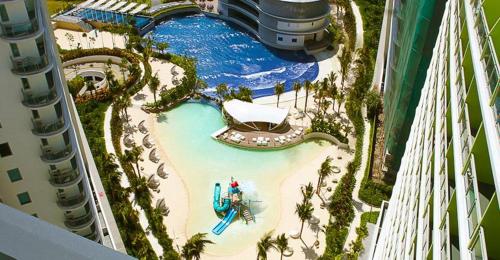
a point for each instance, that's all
(227, 201)
(225, 222)
(228, 218)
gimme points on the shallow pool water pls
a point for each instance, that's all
(185, 135)
(228, 54)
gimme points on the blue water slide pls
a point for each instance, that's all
(225, 222)
(217, 206)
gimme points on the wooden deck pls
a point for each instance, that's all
(289, 137)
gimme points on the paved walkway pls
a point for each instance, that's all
(360, 207)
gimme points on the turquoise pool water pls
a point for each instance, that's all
(201, 162)
(228, 54)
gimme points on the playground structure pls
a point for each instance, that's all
(230, 206)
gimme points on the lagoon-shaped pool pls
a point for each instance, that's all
(185, 136)
(228, 54)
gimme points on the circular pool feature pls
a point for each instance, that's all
(227, 54)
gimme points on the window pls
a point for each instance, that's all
(26, 84)
(280, 39)
(34, 215)
(5, 150)
(14, 175)
(3, 14)
(35, 114)
(24, 198)
(294, 40)
(14, 49)
(44, 142)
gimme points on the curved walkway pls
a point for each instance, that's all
(360, 207)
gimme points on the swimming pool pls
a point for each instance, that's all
(112, 17)
(184, 134)
(227, 54)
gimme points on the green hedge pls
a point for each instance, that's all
(323, 126)
(92, 118)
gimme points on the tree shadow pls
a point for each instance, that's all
(309, 253)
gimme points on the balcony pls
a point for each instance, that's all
(19, 31)
(43, 129)
(46, 99)
(80, 222)
(64, 178)
(30, 65)
(52, 157)
(72, 203)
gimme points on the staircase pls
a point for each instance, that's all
(247, 215)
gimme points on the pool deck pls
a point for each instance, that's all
(260, 139)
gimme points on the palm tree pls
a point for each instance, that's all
(308, 86)
(195, 246)
(221, 91)
(123, 103)
(307, 192)
(134, 156)
(279, 88)
(345, 63)
(281, 243)
(265, 243)
(245, 94)
(123, 66)
(154, 84)
(296, 87)
(304, 211)
(141, 190)
(162, 46)
(323, 172)
(325, 86)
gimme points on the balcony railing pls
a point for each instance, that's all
(80, 222)
(50, 156)
(13, 31)
(64, 178)
(42, 100)
(44, 129)
(72, 202)
(94, 236)
(29, 65)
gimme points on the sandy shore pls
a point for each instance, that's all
(173, 189)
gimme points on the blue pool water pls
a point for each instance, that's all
(227, 54)
(111, 17)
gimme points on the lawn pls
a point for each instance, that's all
(55, 6)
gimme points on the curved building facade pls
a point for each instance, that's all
(289, 25)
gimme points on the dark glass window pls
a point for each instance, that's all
(14, 175)
(14, 49)
(24, 198)
(4, 16)
(5, 150)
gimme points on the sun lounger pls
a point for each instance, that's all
(294, 135)
(242, 137)
(289, 136)
(276, 139)
(297, 132)
(301, 129)
(282, 141)
(268, 139)
(288, 140)
(254, 139)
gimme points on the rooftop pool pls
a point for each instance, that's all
(228, 54)
(185, 136)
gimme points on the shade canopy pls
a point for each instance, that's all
(245, 112)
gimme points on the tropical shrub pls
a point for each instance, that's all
(321, 125)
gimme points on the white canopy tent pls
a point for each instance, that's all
(248, 113)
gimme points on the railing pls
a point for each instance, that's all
(67, 176)
(71, 201)
(40, 100)
(41, 128)
(79, 222)
(51, 156)
(29, 65)
(92, 236)
(17, 30)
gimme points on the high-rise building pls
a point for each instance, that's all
(45, 163)
(445, 202)
(413, 30)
